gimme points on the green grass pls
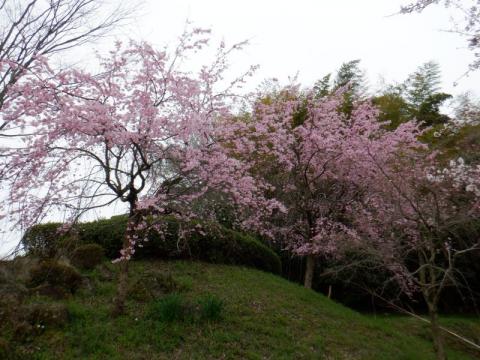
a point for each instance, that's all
(211, 308)
(168, 309)
(262, 317)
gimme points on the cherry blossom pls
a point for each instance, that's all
(320, 162)
(141, 131)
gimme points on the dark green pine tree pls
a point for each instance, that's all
(418, 97)
(423, 95)
(352, 79)
(322, 88)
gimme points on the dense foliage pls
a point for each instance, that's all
(359, 182)
(213, 244)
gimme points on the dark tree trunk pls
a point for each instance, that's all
(309, 271)
(122, 284)
(122, 287)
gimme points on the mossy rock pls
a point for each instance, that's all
(87, 256)
(55, 275)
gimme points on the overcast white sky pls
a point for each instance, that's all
(311, 37)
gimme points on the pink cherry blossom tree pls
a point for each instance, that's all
(32, 28)
(319, 162)
(419, 222)
(142, 131)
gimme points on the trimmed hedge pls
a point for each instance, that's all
(108, 233)
(43, 240)
(215, 245)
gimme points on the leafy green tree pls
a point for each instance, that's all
(429, 111)
(352, 79)
(322, 87)
(419, 97)
(422, 83)
(350, 74)
(393, 107)
(461, 137)
(423, 95)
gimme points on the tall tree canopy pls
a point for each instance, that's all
(33, 28)
(143, 132)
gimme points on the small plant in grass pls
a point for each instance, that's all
(211, 308)
(169, 309)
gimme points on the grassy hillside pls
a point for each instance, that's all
(264, 317)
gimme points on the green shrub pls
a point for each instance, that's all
(87, 256)
(55, 275)
(211, 308)
(205, 242)
(169, 309)
(211, 243)
(42, 240)
(108, 233)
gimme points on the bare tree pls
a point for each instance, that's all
(467, 23)
(33, 28)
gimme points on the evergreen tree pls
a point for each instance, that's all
(422, 92)
(419, 97)
(422, 83)
(321, 88)
(393, 107)
(352, 79)
(349, 74)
